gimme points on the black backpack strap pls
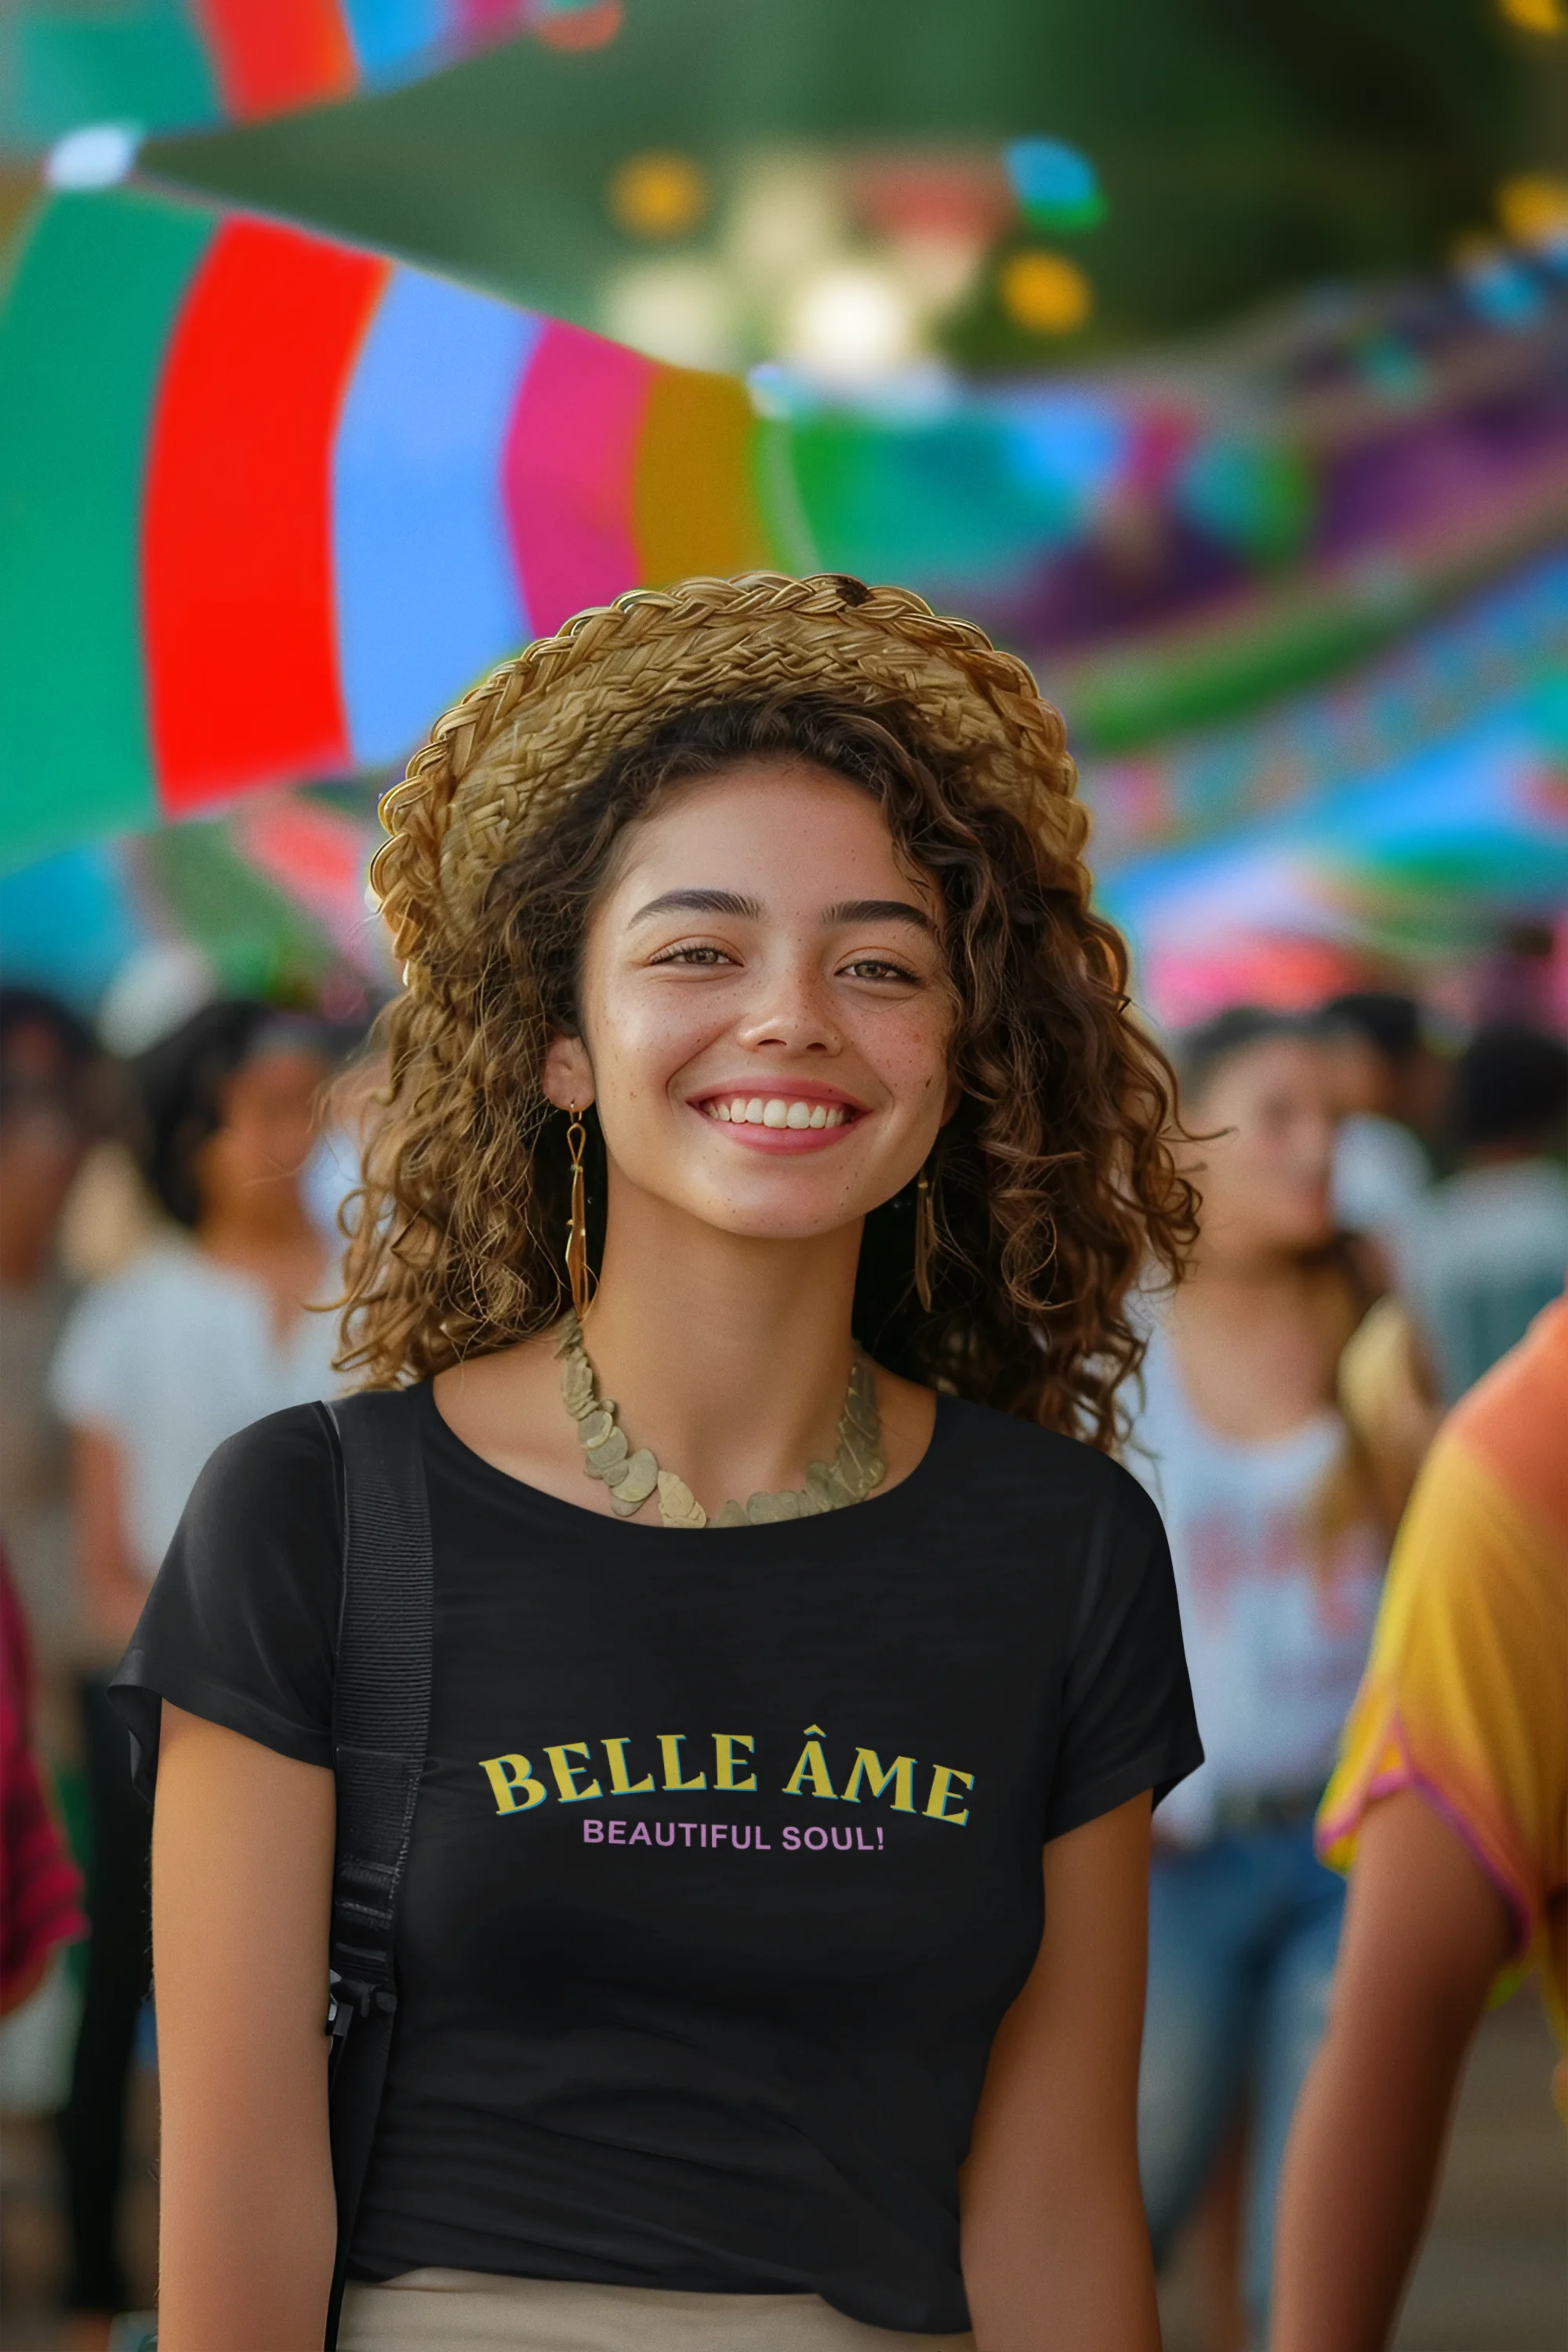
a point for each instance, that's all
(381, 1724)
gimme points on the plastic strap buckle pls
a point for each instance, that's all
(352, 1997)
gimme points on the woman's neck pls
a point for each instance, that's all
(274, 1242)
(1253, 1269)
(726, 1354)
(257, 1225)
(1258, 1333)
(728, 1357)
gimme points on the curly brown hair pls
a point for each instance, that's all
(1055, 1182)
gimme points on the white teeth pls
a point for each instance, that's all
(774, 1110)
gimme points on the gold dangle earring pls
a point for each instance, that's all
(577, 1274)
(925, 1238)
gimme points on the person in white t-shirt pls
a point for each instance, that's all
(207, 1329)
(1275, 1520)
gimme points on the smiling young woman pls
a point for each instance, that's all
(766, 1140)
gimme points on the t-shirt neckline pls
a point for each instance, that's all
(578, 1519)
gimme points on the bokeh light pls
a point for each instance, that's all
(1536, 16)
(1044, 293)
(571, 25)
(659, 194)
(1533, 210)
(936, 216)
(98, 155)
(785, 219)
(1055, 186)
(1498, 285)
(850, 323)
(680, 309)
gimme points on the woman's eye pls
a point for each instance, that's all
(691, 955)
(878, 968)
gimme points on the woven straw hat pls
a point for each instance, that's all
(499, 763)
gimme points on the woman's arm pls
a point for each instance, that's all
(1426, 1932)
(113, 1591)
(242, 1866)
(1055, 2249)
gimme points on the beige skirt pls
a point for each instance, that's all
(467, 2311)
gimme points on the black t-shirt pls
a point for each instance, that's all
(726, 1861)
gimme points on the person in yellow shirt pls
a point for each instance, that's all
(1449, 1808)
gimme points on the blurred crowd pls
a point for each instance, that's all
(1384, 1221)
(167, 1231)
(1385, 1215)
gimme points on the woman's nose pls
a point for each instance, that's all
(793, 1014)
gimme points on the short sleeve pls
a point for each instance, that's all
(89, 1376)
(240, 1626)
(1462, 1699)
(1128, 1721)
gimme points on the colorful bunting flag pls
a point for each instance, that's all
(1411, 854)
(268, 503)
(188, 65)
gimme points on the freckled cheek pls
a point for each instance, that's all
(653, 1043)
(911, 1058)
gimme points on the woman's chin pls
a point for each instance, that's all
(782, 1211)
(785, 1230)
(1306, 1236)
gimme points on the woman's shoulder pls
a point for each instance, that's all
(280, 1471)
(1004, 1446)
(240, 1626)
(260, 1537)
(296, 1440)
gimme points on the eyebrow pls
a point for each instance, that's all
(730, 902)
(879, 910)
(702, 902)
